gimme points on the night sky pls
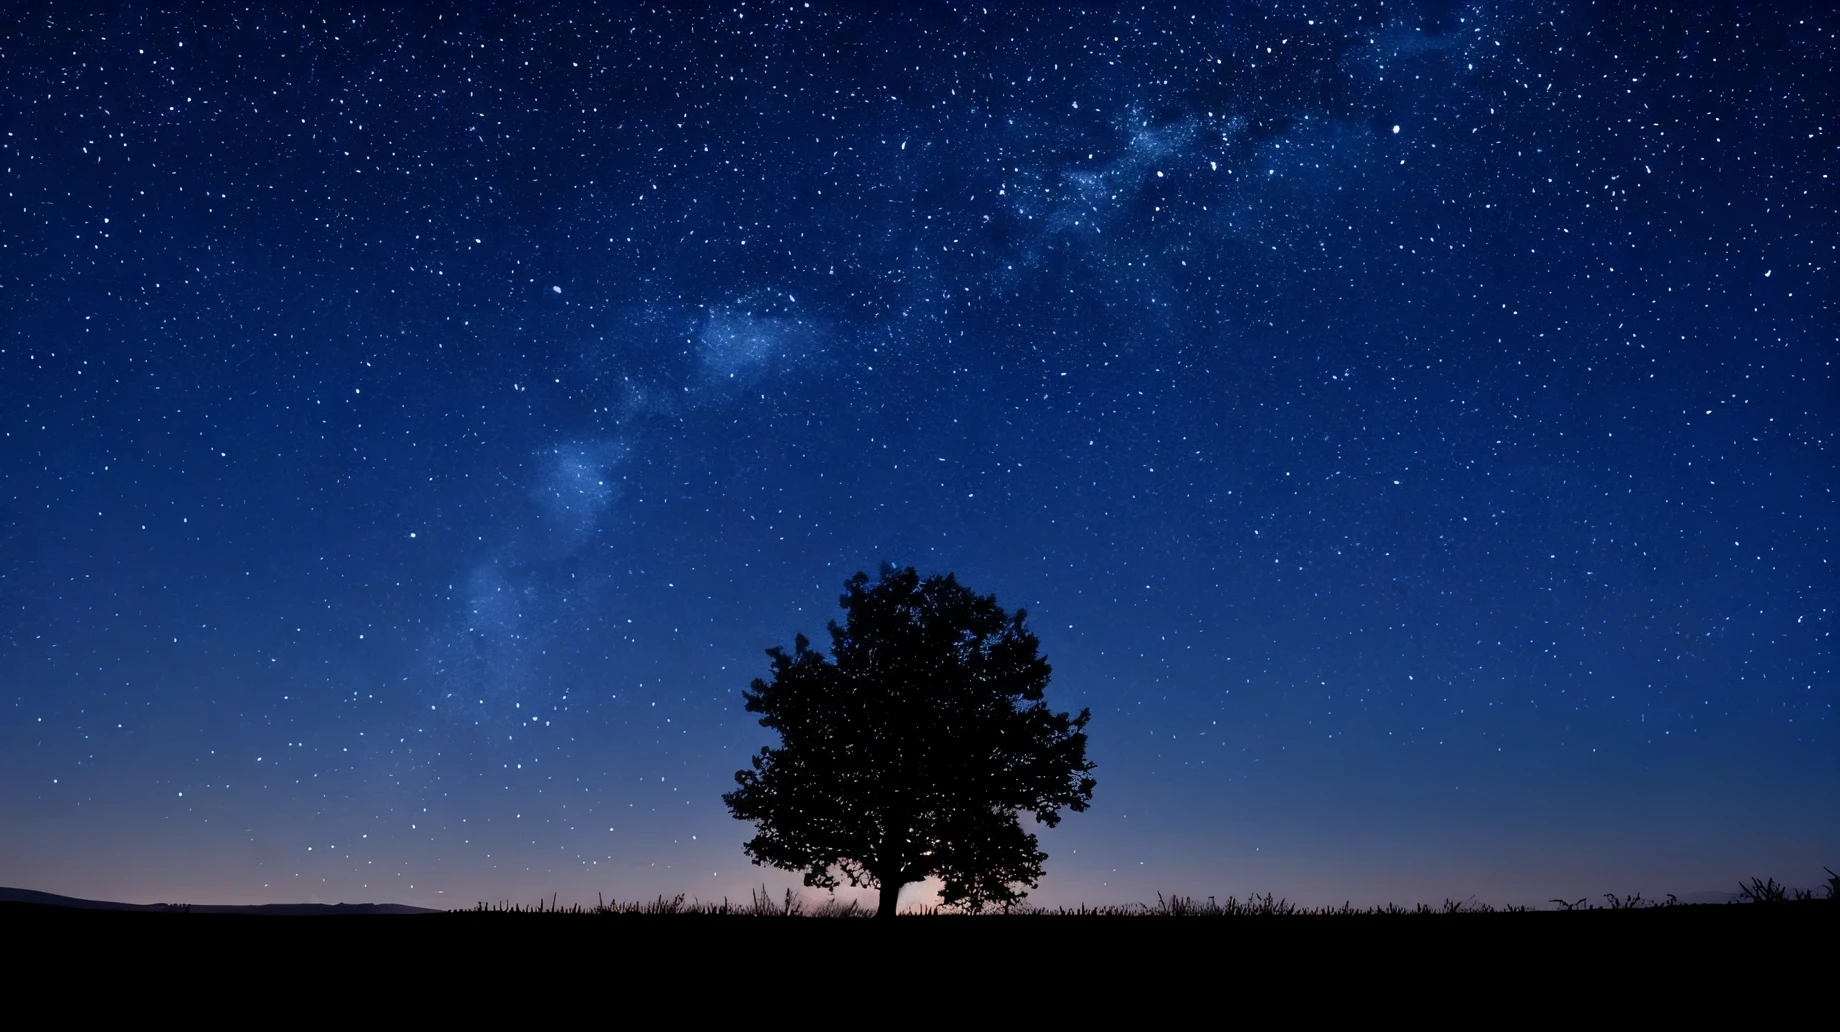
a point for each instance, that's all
(1410, 428)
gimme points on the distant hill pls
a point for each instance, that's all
(47, 899)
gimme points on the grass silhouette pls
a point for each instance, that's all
(763, 904)
(1317, 953)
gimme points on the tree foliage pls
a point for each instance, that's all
(911, 750)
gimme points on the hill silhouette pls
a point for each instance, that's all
(35, 899)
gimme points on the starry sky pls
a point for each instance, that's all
(1409, 427)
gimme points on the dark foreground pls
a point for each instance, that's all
(1719, 940)
(1763, 965)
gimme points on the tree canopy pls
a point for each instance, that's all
(911, 750)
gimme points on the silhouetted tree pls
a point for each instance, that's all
(911, 749)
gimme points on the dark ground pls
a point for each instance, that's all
(1763, 965)
(1683, 938)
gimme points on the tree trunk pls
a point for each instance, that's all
(891, 893)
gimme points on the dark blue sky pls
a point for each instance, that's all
(1409, 427)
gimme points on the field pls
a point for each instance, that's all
(1761, 963)
(1258, 942)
